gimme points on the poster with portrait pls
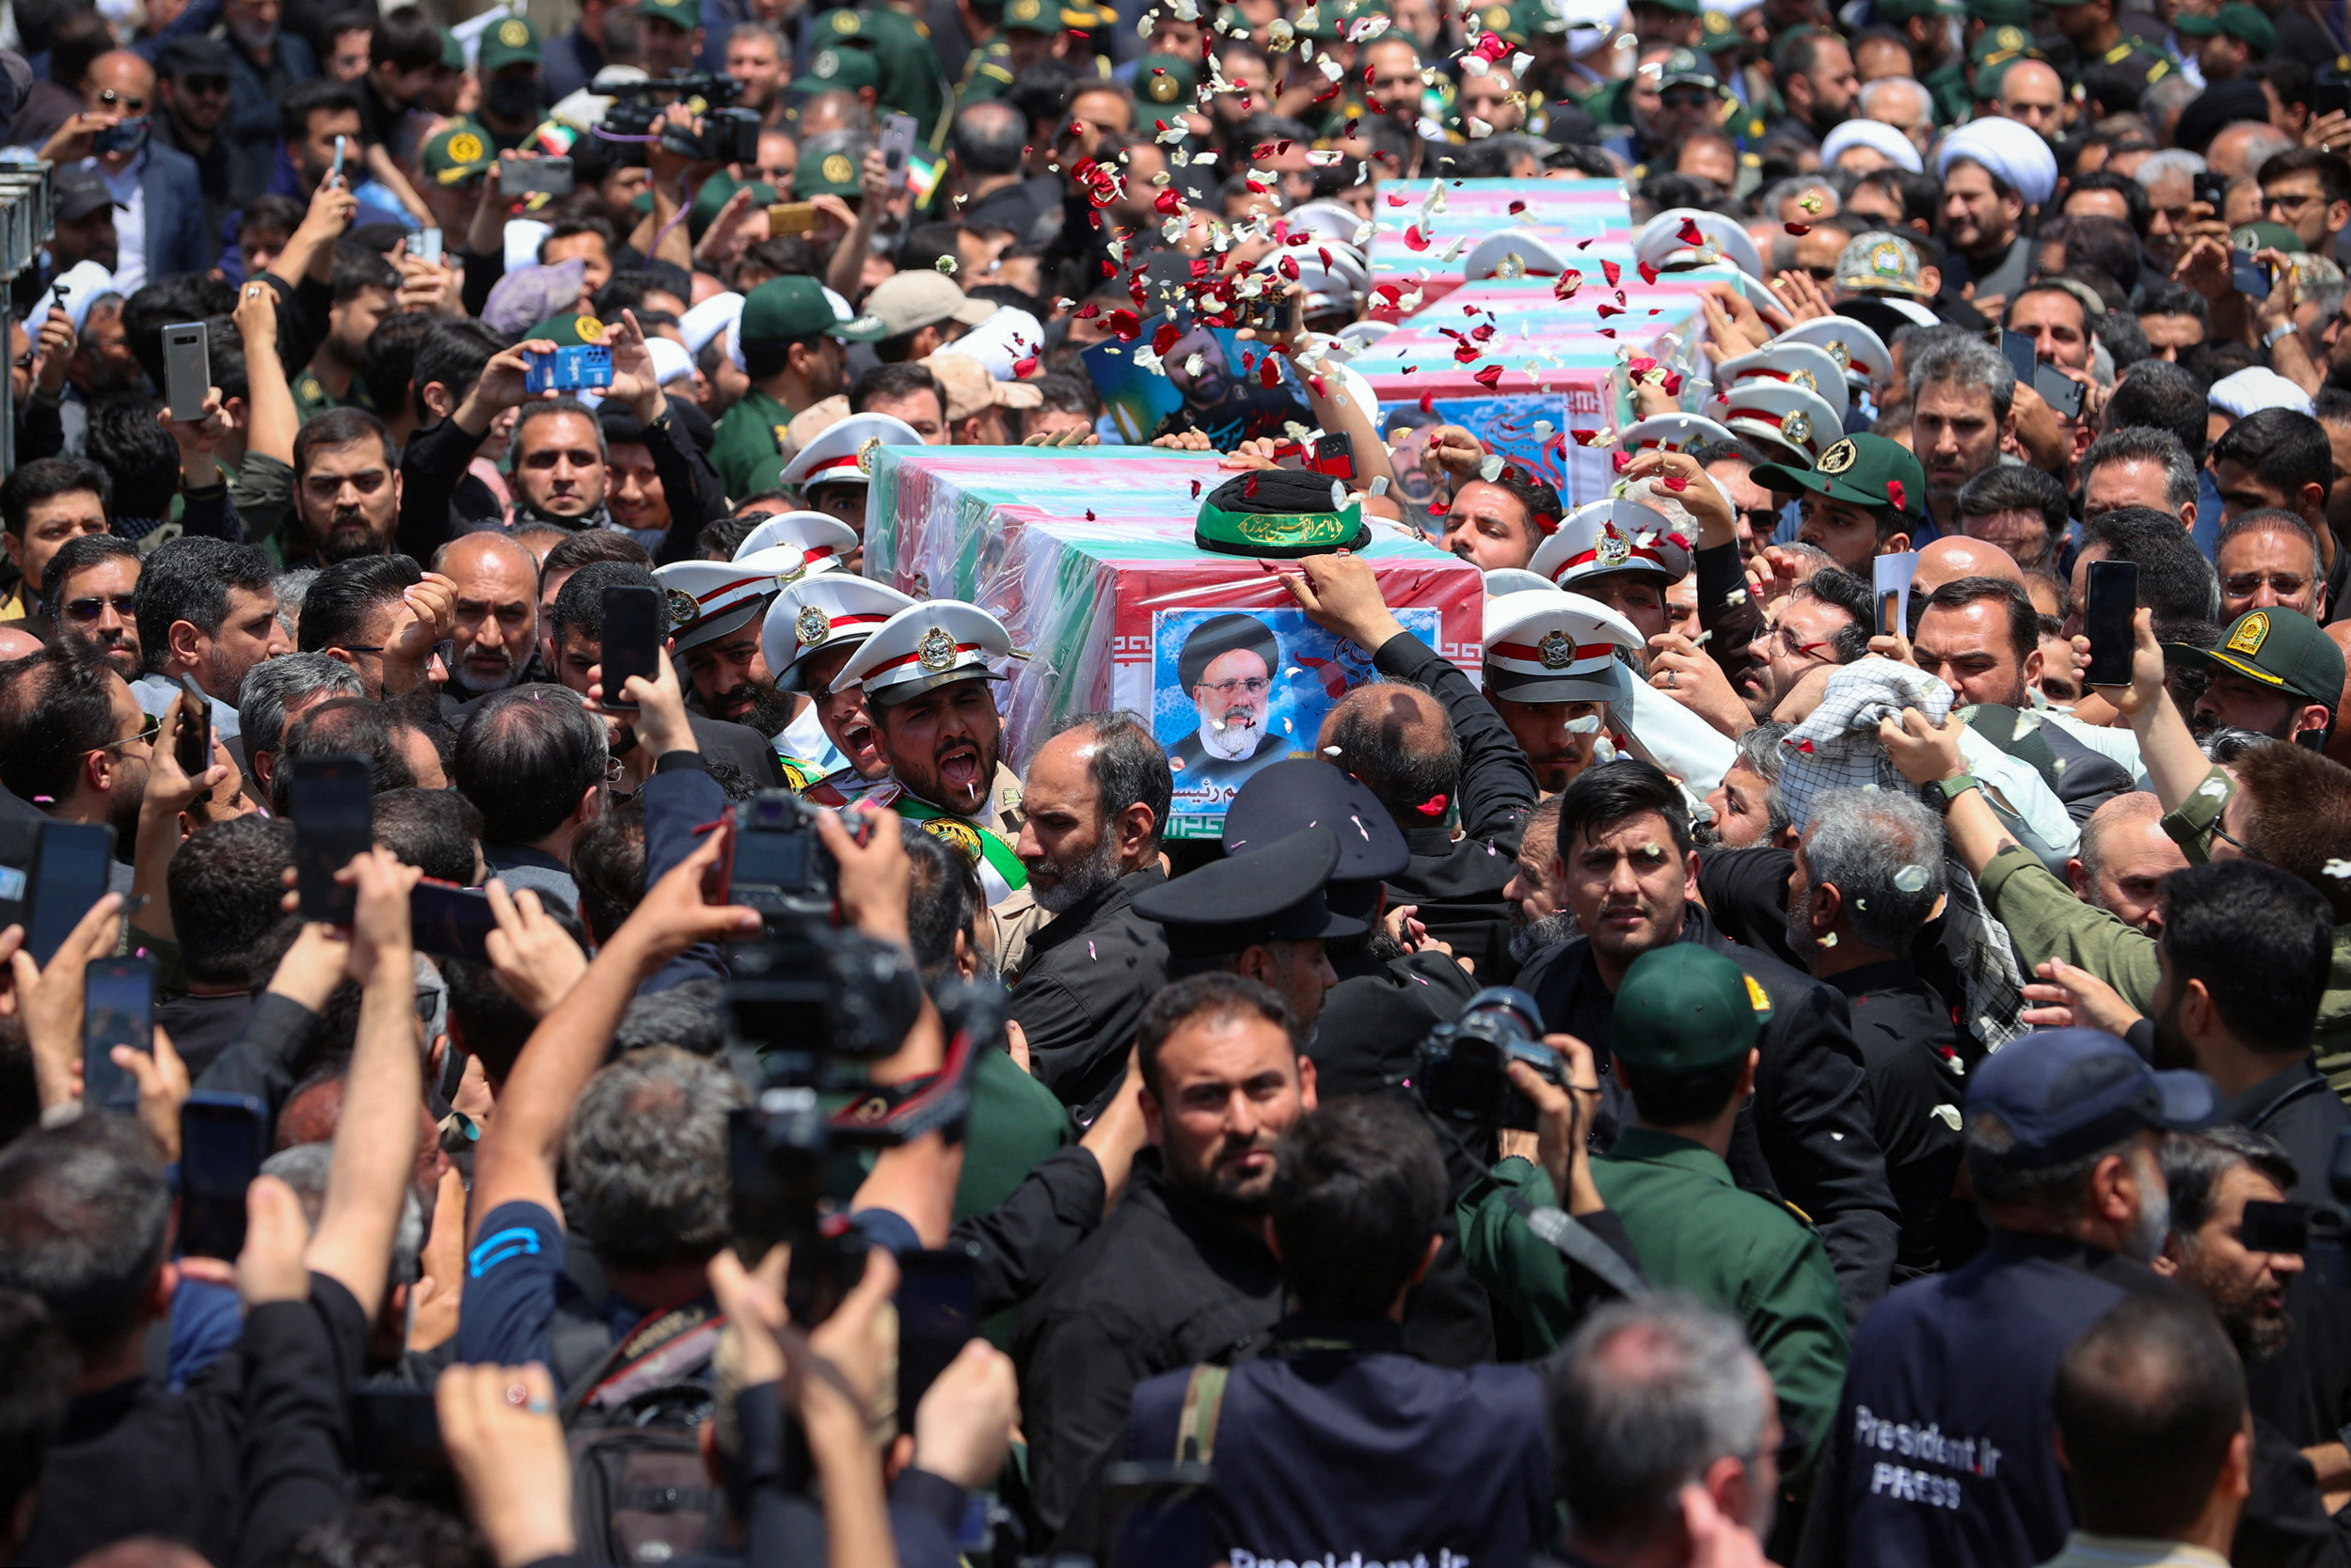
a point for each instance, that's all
(1209, 380)
(1235, 690)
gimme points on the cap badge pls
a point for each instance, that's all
(684, 610)
(826, 65)
(1611, 549)
(1026, 10)
(1163, 87)
(1838, 352)
(2008, 37)
(514, 35)
(590, 329)
(465, 148)
(865, 454)
(846, 20)
(1886, 260)
(838, 170)
(1557, 649)
(1838, 458)
(1497, 18)
(936, 651)
(811, 626)
(2249, 637)
(1797, 428)
(1805, 379)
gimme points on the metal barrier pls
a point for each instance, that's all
(27, 218)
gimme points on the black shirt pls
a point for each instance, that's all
(1090, 971)
(1916, 1086)
(201, 1027)
(2297, 1108)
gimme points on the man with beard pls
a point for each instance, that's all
(2275, 672)
(1621, 553)
(265, 64)
(1180, 1272)
(75, 744)
(1819, 84)
(346, 488)
(1853, 916)
(578, 621)
(1551, 672)
(1862, 500)
(207, 609)
(1096, 796)
(1960, 393)
(715, 614)
(2245, 953)
(1824, 620)
(1627, 876)
(45, 504)
(1227, 668)
(92, 601)
(2126, 860)
(2281, 458)
(2063, 1132)
(807, 638)
(792, 353)
(925, 677)
(495, 584)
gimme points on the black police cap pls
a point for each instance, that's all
(1270, 895)
(1296, 793)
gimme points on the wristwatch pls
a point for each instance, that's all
(1948, 790)
(2283, 330)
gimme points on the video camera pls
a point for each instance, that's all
(1461, 1068)
(812, 1005)
(728, 135)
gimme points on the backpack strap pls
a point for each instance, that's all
(1203, 1401)
(662, 1350)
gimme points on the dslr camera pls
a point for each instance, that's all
(728, 135)
(1461, 1068)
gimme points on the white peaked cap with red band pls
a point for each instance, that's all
(929, 644)
(707, 599)
(1543, 645)
(844, 453)
(1538, 257)
(1665, 242)
(824, 610)
(1610, 536)
(1849, 343)
(1512, 579)
(1671, 432)
(1777, 364)
(825, 541)
(1784, 419)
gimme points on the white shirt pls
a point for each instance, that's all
(130, 224)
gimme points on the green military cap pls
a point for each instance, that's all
(513, 41)
(570, 331)
(1720, 34)
(713, 197)
(1502, 19)
(1031, 16)
(1865, 470)
(1685, 1009)
(1280, 513)
(1682, 7)
(458, 154)
(2266, 236)
(683, 14)
(784, 308)
(1163, 86)
(1688, 68)
(844, 22)
(2279, 648)
(2001, 44)
(2001, 13)
(1088, 19)
(1538, 19)
(2241, 21)
(1902, 10)
(452, 51)
(838, 67)
(828, 166)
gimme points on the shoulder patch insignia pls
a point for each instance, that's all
(1757, 997)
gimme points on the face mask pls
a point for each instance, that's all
(512, 98)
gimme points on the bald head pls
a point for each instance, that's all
(127, 76)
(1952, 556)
(1397, 739)
(145, 1551)
(496, 580)
(2242, 147)
(16, 642)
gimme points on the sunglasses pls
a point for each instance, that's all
(90, 609)
(131, 103)
(148, 731)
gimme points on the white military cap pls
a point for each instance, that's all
(1611, 536)
(844, 453)
(1512, 579)
(1850, 344)
(707, 599)
(929, 644)
(821, 539)
(1547, 646)
(1538, 257)
(1806, 365)
(1784, 419)
(1665, 245)
(1671, 432)
(823, 609)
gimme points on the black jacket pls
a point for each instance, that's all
(1090, 971)
(1918, 1084)
(1805, 1138)
(1458, 884)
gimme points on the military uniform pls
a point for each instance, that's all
(311, 398)
(748, 451)
(2149, 65)
(913, 79)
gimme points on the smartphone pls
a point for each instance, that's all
(1890, 581)
(452, 1077)
(195, 739)
(428, 246)
(334, 819)
(129, 136)
(69, 872)
(791, 217)
(632, 640)
(2018, 351)
(2059, 391)
(938, 1312)
(2112, 604)
(187, 369)
(527, 176)
(223, 1140)
(2212, 190)
(2276, 1227)
(450, 921)
(336, 172)
(119, 1010)
(2249, 277)
(1334, 455)
(897, 146)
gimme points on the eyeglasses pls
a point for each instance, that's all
(132, 103)
(1253, 685)
(2242, 848)
(90, 609)
(2243, 585)
(148, 731)
(1762, 521)
(2286, 202)
(1786, 642)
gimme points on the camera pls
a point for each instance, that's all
(728, 135)
(1461, 1068)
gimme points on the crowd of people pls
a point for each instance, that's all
(1819, 1037)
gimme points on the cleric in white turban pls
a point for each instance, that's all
(1873, 135)
(2010, 150)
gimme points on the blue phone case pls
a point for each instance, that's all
(570, 370)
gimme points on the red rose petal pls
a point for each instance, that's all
(1428, 402)
(1893, 493)
(1024, 369)
(1613, 272)
(1689, 233)
(1675, 482)
(1489, 376)
(1166, 338)
(1414, 239)
(1649, 273)
(1269, 371)
(1799, 229)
